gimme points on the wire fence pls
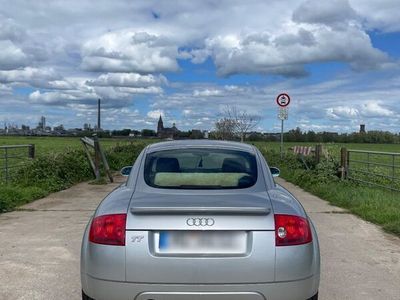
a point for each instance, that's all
(12, 158)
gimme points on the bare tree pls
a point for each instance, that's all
(225, 129)
(243, 122)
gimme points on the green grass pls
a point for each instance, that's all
(59, 144)
(377, 172)
(44, 145)
(373, 204)
(52, 171)
(333, 148)
(376, 205)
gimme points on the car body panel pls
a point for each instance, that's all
(200, 296)
(140, 271)
(290, 290)
(284, 203)
(257, 265)
(238, 202)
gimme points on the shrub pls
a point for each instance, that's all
(54, 172)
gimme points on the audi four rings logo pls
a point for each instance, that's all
(200, 222)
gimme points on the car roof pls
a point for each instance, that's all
(181, 144)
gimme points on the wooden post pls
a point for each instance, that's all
(105, 163)
(318, 153)
(88, 156)
(6, 163)
(97, 157)
(343, 163)
(31, 151)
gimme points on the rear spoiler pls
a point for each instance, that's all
(162, 210)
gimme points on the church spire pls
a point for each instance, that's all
(160, 125)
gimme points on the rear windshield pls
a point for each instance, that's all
(200, 169)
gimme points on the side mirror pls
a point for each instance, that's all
(125, 171)
(275, 171)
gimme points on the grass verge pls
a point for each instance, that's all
(373, 204)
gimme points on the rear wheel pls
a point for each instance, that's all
(315, 297)
(85, 297)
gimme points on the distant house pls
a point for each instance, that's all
(165, 132)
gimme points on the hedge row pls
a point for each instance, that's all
(58, 171)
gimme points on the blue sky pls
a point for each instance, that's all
(338, 60)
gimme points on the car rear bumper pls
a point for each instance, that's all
(112, 290)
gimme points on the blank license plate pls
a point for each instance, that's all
(201, 242)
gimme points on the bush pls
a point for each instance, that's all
(123, 155)
(55, 172)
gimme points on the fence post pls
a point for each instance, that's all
(318, 153)
(97, 157)
(343, 163)
(105, 163)
(6, 164)
(31, 151)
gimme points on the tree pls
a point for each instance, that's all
(242, 121)
(225, 129)
(148, 132)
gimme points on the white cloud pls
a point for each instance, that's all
(130, 51)
(141, 90)
(60, 98)
(379, 14)
(11, 57)
(332, 12)
(208, 93)
(287, 53)
(9, 30)
(5, 90)
(128, 80)
(30, 75)
(375, 109)
(155, 114)
(340, 112)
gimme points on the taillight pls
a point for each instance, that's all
(108, 230)
(291, 230)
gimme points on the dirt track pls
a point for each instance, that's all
(40, 245)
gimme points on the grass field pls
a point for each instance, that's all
(59, 144)
(334, 148)
(45, 145)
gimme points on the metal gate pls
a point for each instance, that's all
(13, 157)
(374, 168)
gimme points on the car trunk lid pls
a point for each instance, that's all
(213, 238)
(152, 211)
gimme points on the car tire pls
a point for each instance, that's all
(315, 297)
(85, 297)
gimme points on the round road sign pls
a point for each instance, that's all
(283, 100)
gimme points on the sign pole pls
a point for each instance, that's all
(283, 101)
(281, 139)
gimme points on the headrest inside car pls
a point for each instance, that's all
(232, 165)
(167, 164)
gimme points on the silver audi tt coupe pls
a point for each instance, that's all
(200, 220)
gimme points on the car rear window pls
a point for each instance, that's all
(200, 169)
